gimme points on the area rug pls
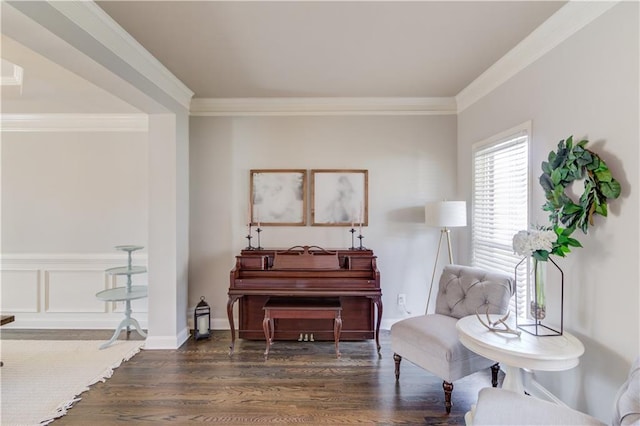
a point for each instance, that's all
(42, 379)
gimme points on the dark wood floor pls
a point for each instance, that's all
(301, 382)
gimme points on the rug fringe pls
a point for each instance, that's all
(62, 409)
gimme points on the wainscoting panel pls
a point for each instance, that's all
(20, 290)
(73, 291)
(59, 290)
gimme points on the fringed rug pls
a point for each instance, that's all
(42, 379)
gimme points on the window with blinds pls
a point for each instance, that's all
(500, 203)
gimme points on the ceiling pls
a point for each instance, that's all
(238, 49)
(292, 49)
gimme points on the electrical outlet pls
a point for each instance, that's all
(402, 299)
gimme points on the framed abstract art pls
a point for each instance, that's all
(339, 197)
(278, 197)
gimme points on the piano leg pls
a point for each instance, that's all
(377, 300)
(337, 329)
(269, 331)
(230, 302)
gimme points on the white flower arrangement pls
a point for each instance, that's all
(526, 243)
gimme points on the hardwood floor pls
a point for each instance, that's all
(301, 382)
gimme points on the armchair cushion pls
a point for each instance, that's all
(431, 342)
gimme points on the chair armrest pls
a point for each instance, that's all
(502, 407)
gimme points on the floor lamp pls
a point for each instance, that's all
(444, 215)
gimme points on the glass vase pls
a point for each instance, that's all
(538, 308)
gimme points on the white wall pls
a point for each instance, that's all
(67, 199)
(73, 192)
(410, 160)
(586, 87)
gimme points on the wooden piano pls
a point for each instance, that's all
(306, 271)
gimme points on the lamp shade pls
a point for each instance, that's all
(446, 214)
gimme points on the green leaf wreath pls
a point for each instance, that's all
(569, 163)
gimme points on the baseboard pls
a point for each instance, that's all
(167, 342)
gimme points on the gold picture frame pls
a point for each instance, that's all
(278, 197)
(339, 197)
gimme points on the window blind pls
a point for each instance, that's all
(500, 205)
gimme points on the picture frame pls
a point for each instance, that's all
(278, 197)
(339, 197)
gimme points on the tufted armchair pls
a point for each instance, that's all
(502, 407)
(431, 341)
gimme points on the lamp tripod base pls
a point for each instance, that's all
(444, 231)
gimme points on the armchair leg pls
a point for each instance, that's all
(397, 358)
(448, 388)
(495, 368)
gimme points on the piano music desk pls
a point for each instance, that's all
(301, 308)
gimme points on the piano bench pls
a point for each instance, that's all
(301, 308)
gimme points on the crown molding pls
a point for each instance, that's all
(74, 122)
(321, 106)
(568, 20)
(99, 25)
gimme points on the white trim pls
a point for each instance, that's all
(35, 260)
(74, 123)
(321, 106)
(568, 20)
(97, 23)
(167, 342)
(522, 128)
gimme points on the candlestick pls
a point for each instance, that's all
(248, 237)
(360, 237)
(353, 231)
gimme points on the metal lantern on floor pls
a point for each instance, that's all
(202, 320)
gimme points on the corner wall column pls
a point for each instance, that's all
(168, 230)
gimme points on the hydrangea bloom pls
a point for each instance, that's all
(525, 243)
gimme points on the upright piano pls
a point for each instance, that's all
(306, 271)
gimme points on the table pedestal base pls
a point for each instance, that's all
(125, 323)
(512, 379)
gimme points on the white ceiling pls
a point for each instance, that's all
(293, 49)
(328, 48)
